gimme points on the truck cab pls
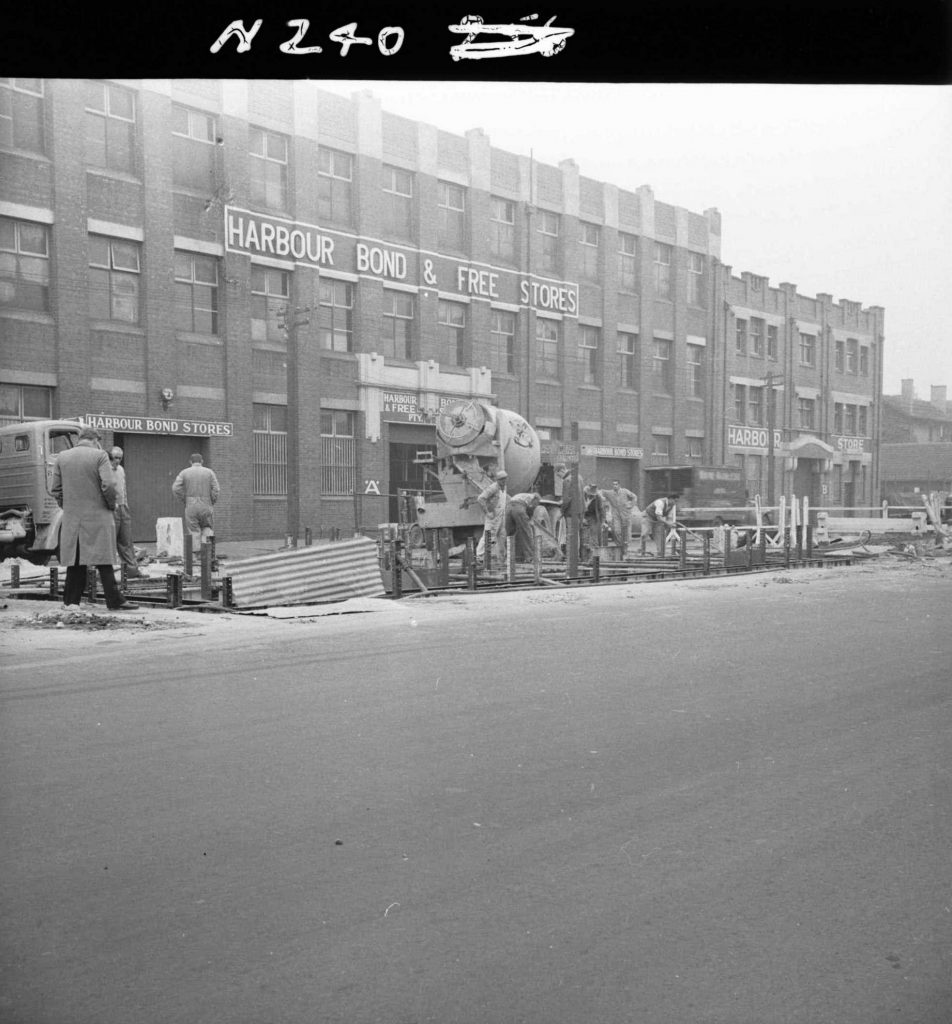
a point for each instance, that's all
(704, 493)
(29, 514)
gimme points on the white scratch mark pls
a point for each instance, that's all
(392, 905)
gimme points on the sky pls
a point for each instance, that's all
(845, 189)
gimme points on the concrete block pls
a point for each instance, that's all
(169, 542)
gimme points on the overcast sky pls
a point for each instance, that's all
(845, 189)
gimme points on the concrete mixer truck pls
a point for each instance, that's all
(473, 441)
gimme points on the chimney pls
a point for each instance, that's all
(908, 393)
(938, 398)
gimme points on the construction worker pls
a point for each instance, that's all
(623, 504)
(662, 513)
(492, 500)
(519, 511)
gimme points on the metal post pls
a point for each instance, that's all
(682, 548)
(786, 547)
(396, 588)
(809, 530)
(444, 542)
(307, 536)
(206, 563)
(15, 577)
(706, 554)
(799, 544)
(54, 581)
(187, 553)
(572, 526)
(173, 589)
(91, 584)
(596, 567)
(537, 557)
(226, 596)
(488, 536)
(510, 558)
(470, 563)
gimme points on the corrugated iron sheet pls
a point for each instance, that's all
(309, 575)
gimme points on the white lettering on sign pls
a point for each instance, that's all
(252, 234)
(371, 487)
(559, 298)
(751, 437)
(382, 262)
(145, 425)
(851, 444)
(477, 282)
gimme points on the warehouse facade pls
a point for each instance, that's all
(292, 283)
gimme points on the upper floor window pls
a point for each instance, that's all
(336, 315)
(335, 185)
(755, 406)
(502, 338)
(849, 423)
(338, 451)
(113, 279)
(661, 373)
(864, 360)
(196, 293)
(740, 337)
(852, 355)
(398, 202)
(627, 358)
(451, 317)
(772, 336)
(806, 409)
(502, 228)
(756, 336)
(194, 138)
(548, 337)
(110, 126)
(268, 154)
(21, 402)
(839, 356)
(740, 403)
(838, 418)
(21, 114)
(397, 332)
(589, 339)
(695, 360)
(695, 279)
(661, 447)
(24, 264)
(662, 267)
(695, 447)
(451, 211)
(627, 262)
(588, 242)
(548, 230)
(270, 297)
(807, 349)
(862, 420)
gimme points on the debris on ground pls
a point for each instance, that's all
(87, 620)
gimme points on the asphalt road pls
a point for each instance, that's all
(721, 802)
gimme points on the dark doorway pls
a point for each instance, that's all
(152, 463)
(407, 471)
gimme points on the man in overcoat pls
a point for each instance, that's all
(84, 486)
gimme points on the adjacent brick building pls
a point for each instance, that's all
(916, 444)
(292, 283)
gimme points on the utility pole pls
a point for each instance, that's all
(289, 321)
(769, 381)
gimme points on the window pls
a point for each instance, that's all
(839, 356)
(21, 114)
(627, 262)
(807, 349)
(194, 136)
(849, 423)
(661, 447)
(662, 269)
(740, 403)
(335, 185)
(852, 355)
(338, 452)
(335, 315)
(661, 364)
(754, 474)
(398, 202)
(588, 344)
(451, 317)
(270, 449)
(19, 402)
(755, 407)
(502, 228)
(740, 337)
(24, 264)
(502, 340)
(113, 279)
(547, 347)
(451, 216)
(695, 359)
(772, 341)
(695, 447)
(268, 154)
(549, 241)
(627, 357)
(864, 360)
(805, 409)
(756, 336)
(837, 418)
(270, 298)
(588, 240)
(196, 293)
(397, 335)
(695, 279)
(110, 127)
(862, 424)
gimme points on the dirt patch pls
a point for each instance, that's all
(86, 621)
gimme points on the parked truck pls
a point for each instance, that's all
(704, 493)
(29, 514)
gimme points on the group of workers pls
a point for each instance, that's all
(604, 514)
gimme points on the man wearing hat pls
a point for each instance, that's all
(492, 500)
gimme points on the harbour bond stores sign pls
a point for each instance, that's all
(158, 425)
(255, 235)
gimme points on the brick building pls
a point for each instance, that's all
(293, 282)
(916, 444)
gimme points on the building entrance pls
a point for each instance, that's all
(152, 462)
(407, 470)
(807, 480)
